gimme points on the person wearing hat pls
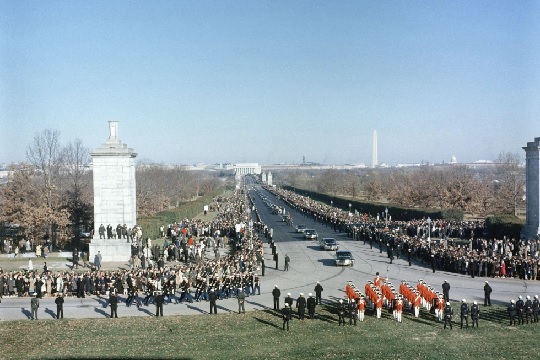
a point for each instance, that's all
(512, 312)
(341, 313)
(487, 294)
(535, 306)
(520, 304)
(59, 301)
(464, 313)
(446, 291)
(286, 314)
(287, 261)
(289, 300)
(301, 306)
(399, 308)
(213, 296)
(448, 312)
(276, 293)
(353, 312)
(379, 305)
(159, 300)
(318, 293)
(527, 308)
(361, 308)
(311, 306)
(241, 300)
(475, 313)
(34, 305)
(113, 303)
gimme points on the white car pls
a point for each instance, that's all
(301, 228)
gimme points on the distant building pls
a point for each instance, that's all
(247, 168)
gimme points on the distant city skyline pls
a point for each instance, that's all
(270, 82)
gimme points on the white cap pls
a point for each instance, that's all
(301, 294)
(520, 297)
(310, 294)
(463, 300)
(512, 301)
(340, 300)
(474, 302)
(487, 282)
(275, 286)
(288, 294)
(286, 305)
(528, 297)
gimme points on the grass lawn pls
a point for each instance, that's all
(259, 335)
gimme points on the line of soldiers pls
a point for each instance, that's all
(302, 304)
(524, 310)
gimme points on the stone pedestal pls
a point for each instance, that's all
(114, 195)
(532, 226)
(110, 249)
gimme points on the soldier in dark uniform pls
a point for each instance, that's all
(512, 312)
(475, 313)
(276, 294)
(448, 312)
(241, 301)
(446, 291)
(520, 305)
(528, 309)
(301, 305)
(113, 302)
(158, 300)
(318, 293)
(34, 306)
(341, 313)
(464, 313)
(213, 298)
(59, 301)
(409, 256)
(310, 302)
(289, 300)
(487, 294)
(535, 307)
(286, 313)
(353, 312)
(276, 257)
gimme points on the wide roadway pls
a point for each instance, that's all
(308, 265)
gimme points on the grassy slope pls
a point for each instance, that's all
(258, 334)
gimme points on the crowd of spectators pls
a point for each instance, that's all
(457, 246)
(183, 269)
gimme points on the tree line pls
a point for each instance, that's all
(495, 189)
(50, 195)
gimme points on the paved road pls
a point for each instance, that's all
(308, 265)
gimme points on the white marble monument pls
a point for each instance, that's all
(269, 178)
(114, 195)
(532, 226)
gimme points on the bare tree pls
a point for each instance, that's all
(509, 183)
(44, 154)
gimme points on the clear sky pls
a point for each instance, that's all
(272, 81)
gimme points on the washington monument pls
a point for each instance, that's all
(375, 161)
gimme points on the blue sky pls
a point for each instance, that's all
(272, 81)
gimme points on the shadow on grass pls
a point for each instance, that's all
(258, 304)
(268, 323)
